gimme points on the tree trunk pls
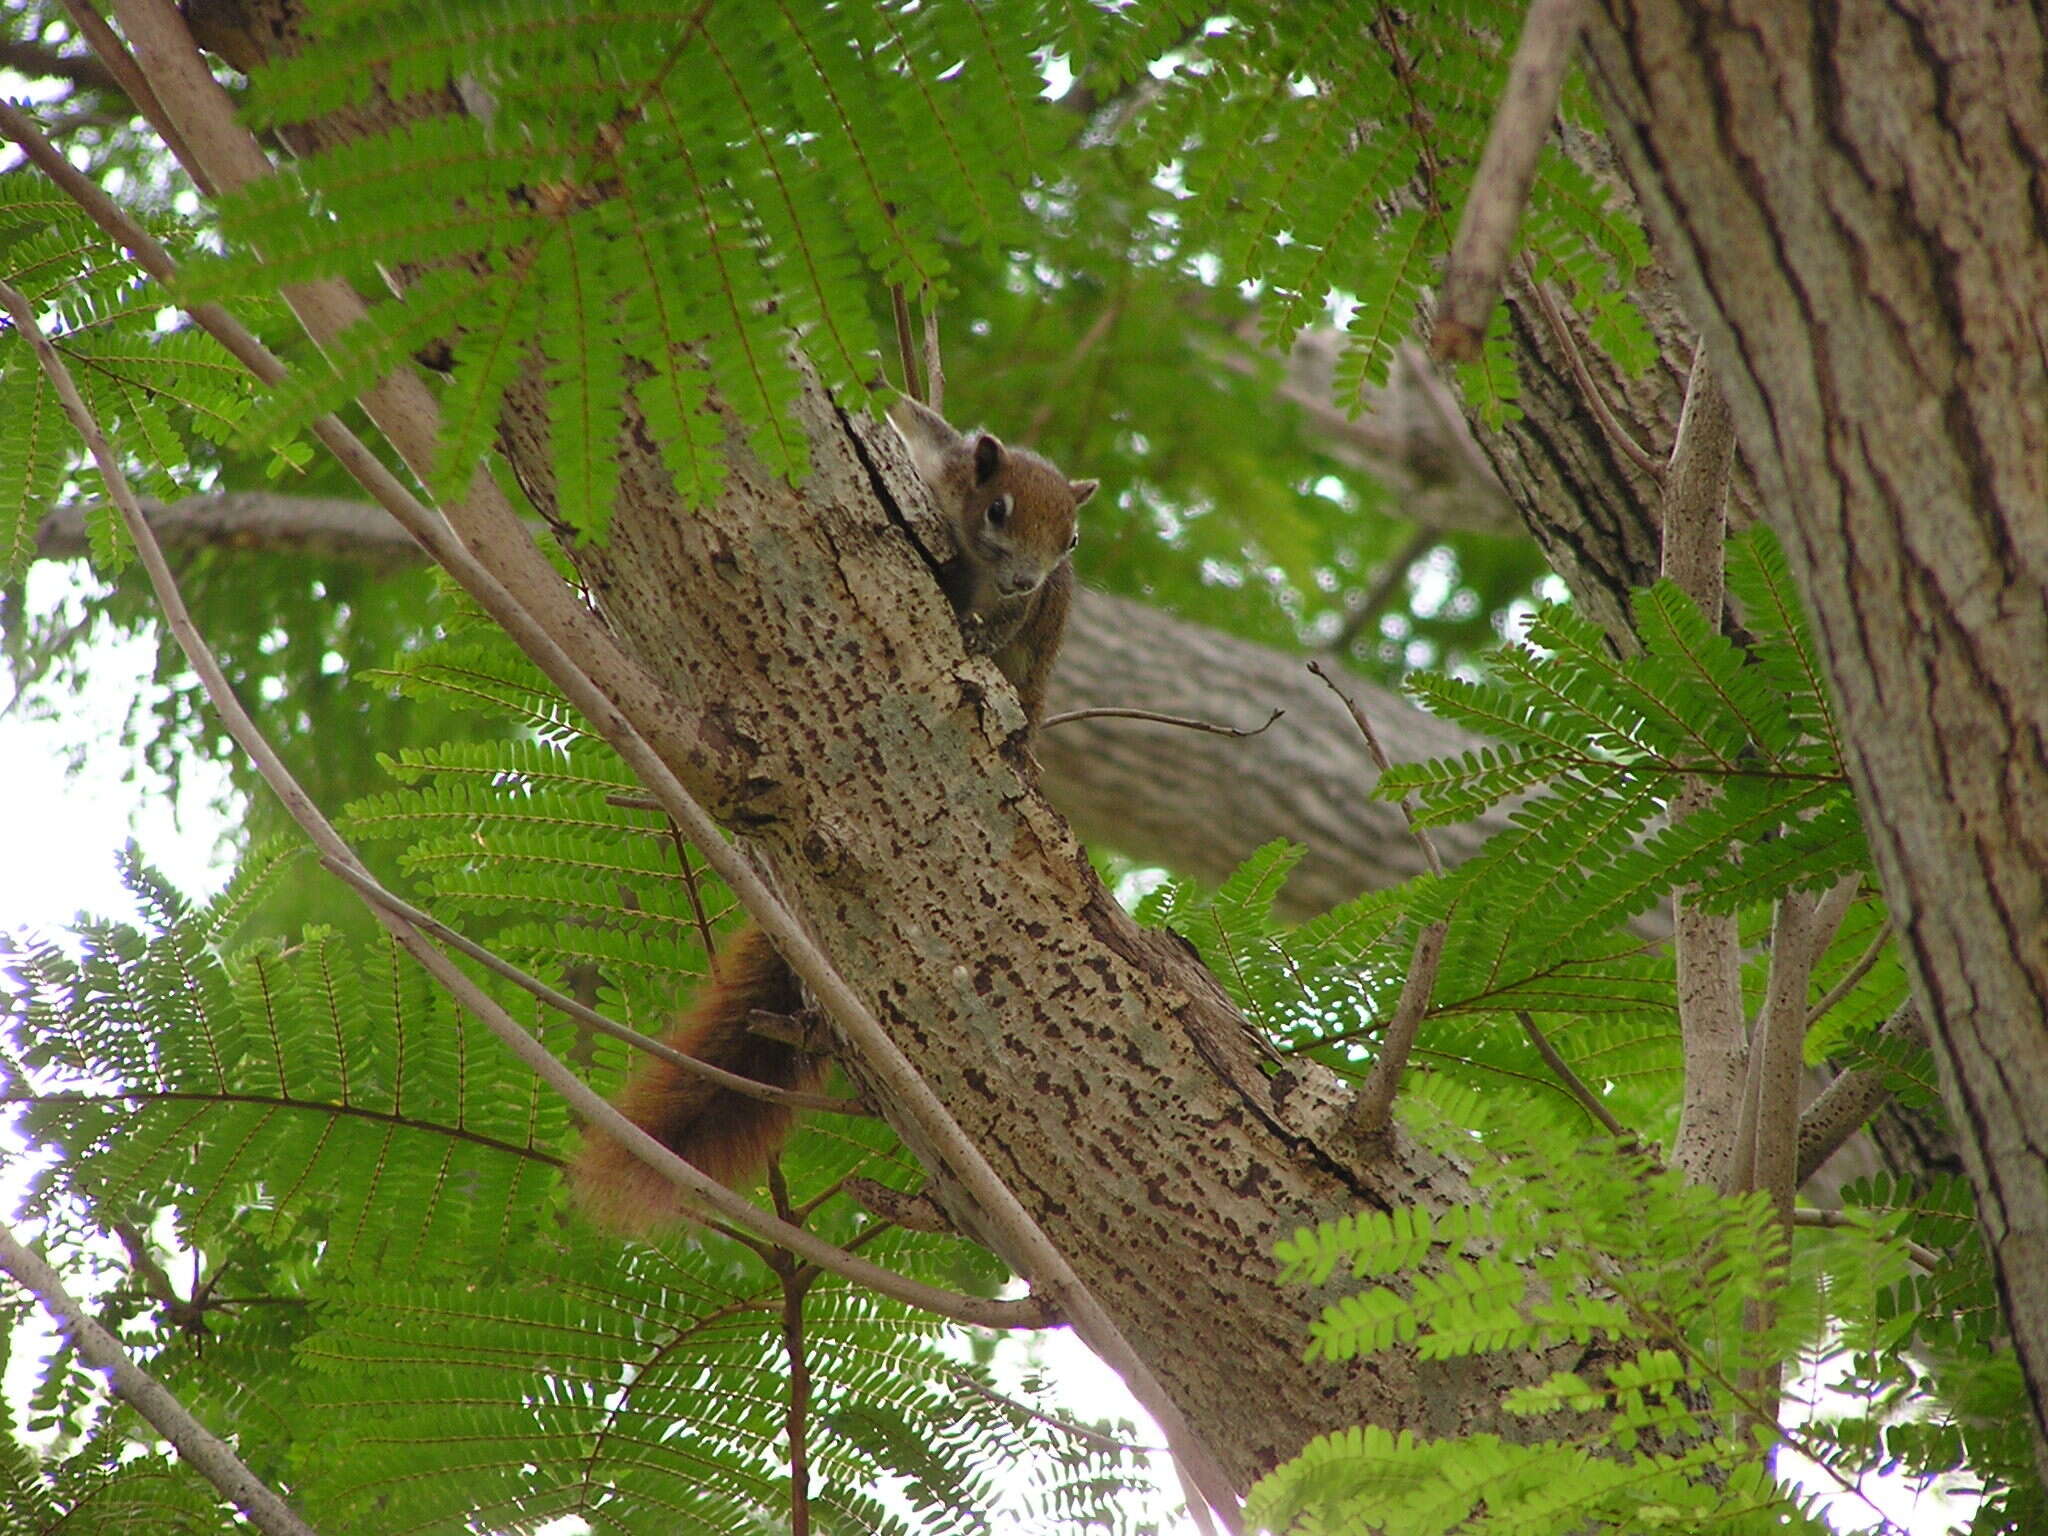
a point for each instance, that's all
(1853, 199)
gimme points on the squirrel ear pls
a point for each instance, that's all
(988, 457)
(932, 442)
(1082, 489)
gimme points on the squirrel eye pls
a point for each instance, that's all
(1075, 542)
(999, 512)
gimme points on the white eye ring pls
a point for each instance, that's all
(999, 512)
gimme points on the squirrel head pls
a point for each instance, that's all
(1013, 512)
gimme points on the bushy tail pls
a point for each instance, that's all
(727, 1134)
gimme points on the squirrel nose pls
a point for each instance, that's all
(1018, 584)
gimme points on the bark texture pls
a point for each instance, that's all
(886, 786)
(1854, 199)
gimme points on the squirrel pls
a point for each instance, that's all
(1010, 582)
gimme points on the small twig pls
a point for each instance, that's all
(934, 365)
(1384, 585)
(1375, 1104)
(906, 347)
(796, 1281)
(1053, 1420)
(1090, 340)
(1852, 976)
(1107, 712)
(1921, 1255)
(374, 892)
(213, 1458)
(1384, 764)
(1574, 1084)
(1507, 169)
(704, 936)
(1589, 387)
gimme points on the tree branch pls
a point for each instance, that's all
(211, 1457)
(1507, 168)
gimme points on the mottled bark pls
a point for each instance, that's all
(1853, 198)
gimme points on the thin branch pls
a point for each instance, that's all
(38, 62)
(1375, 1105)
(1695, 502)
(1574, 1084)
(697, 913)
(1091, 338)
(906, 348)
(1852, 976)
(934, 364)
(1384, 585)
(1053, 1420)
(795, 1280)
(1920, 1254)
(1507, 169)
(1380, 759)
(1589, 387)
(516, 586)
(130, 78)
(1112, 712)
(300, 806)
(368, 886)
(213, 1458)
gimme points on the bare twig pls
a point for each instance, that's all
(1091, 338)
(1053, 1420)
(369, 888)
(1852, 976)
(1589, 387)
(906, 347)
(1380, 759)
(300, 806)
(1507, 168)
(129, 77)
(1375, 1105)
(1919, 1253)
(643, 722)
(1574, 1084)
(213, 1458)
(40, 62)
(697, 913)
(1112, 712)
(934, 364)
(1384, 585)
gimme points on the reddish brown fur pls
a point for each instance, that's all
(728, 1135)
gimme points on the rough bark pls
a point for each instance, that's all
(1098, 1065)
(1853, 198)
